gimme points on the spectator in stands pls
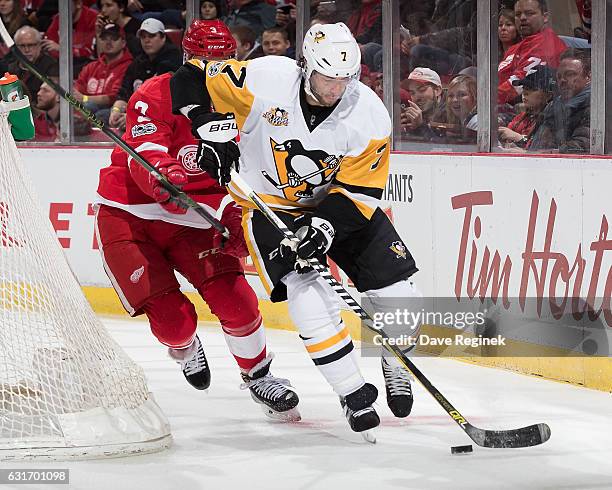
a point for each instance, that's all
(507, 32)
(584, 11)
(170, 17)
(539, 44)
(417, 16)
(40, 12)
(210, 10)
(99, 81)
(537, 92)
(275, 41)
(451, 44)
(426, 104)
(13, 18)
(116, 12)
(335, 11)
(28, 41)
(159, 56)
(461, 108)
(286, 14)
(366, 22)
(247, 46)
(83, 34)
(566, 120)
(168, 12)
(46, 124)
(256, 14)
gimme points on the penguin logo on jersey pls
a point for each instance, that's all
(187, 156)
(319, 36)
(399, 249)
(277, 116)
(300, 170)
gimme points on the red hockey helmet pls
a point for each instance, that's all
(210, 39)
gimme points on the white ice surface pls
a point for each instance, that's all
(223, 441)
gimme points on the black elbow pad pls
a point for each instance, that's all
(188, 87)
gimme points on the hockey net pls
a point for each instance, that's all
(67, 390)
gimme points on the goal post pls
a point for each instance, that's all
(67, 389)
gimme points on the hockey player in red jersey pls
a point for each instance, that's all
(540, 45)
(145, 236)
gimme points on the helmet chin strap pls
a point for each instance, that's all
(309, 91)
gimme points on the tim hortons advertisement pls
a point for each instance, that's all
(523, 239)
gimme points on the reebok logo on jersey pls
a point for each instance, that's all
(143, 129)
(277, 116)
(399, 249)
(137, 274)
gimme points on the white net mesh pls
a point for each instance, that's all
(65, 386)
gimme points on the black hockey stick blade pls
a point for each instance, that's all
(64, 94)
(531, 435)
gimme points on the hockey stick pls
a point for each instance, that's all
(531, 435)
(300, 180)
(171, 189)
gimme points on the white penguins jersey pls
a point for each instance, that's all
(289, 166)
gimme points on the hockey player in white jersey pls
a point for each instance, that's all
(314, 144)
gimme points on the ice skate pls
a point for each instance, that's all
(359, 411)
(398, 387)
(193, 363)
(275, 395)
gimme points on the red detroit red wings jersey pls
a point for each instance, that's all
(544, 47)
(155, 133)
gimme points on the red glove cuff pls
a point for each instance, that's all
(146, 181)
(232, 220)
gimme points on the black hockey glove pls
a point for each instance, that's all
(218, 153)
(315, 235)
(218, 159)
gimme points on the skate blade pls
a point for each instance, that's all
(291, 415)
(369, 436)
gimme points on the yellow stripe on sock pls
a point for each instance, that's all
(325, 344)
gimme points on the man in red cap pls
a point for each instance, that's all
(145, 235)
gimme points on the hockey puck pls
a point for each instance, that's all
(461, 449)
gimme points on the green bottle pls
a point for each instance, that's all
(20, 119)
(10, 88)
